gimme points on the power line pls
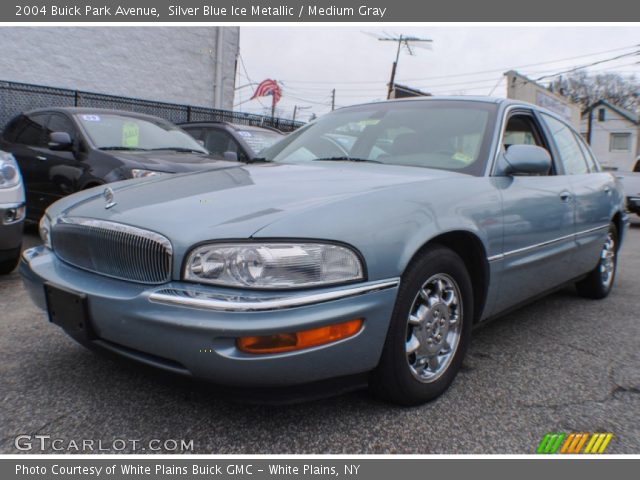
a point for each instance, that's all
(467, 73)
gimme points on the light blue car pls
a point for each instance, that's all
(367, 244)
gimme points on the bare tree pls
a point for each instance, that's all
(585, 89)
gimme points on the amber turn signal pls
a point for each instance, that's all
(286, 342)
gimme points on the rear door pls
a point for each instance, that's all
(538, 218)
(593, 191)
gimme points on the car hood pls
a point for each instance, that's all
(167, 160)
(237, 201)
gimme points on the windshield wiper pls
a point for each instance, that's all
(179, 149)
(120, 147)
(345, 159)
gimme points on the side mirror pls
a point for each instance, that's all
(526, 160)
(230, 156)
(60, 141)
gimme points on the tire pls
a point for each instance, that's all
(8, 265)
(402, 377)
(599, 282)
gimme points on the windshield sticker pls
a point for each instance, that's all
(130, 134)
(244, 133)
(91, 118)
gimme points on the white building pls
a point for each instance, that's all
(185, 65)
(613, 133)
(523, 88)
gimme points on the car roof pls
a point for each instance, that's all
(89, 110)
(235, 126)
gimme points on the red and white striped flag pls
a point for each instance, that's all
(268, 87)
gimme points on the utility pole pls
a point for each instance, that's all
(333, 99)
(295, 111)
(408, 42)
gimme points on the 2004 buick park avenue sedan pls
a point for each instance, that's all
(369, 242)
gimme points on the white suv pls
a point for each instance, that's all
(12, 212)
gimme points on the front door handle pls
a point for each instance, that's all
(41, 158)
(565, 196)
(607, 189)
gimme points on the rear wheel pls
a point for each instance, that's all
(599, 281)
(429, 331)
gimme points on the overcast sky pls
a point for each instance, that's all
(310, 61)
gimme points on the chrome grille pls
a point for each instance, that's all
(113, 249)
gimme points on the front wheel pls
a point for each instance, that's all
(429, 331)
(599, 282)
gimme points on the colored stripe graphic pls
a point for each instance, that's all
(550, 443)
(573, 443)
(598, 443)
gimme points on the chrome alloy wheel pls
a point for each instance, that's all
(608, 261)
(434, 326)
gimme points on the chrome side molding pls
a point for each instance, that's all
(194, 298)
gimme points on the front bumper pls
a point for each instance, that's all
(191, 329)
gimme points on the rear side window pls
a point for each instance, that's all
(571, 155)
(31, 130)
(592, 162)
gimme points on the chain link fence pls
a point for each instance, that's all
(16, 98)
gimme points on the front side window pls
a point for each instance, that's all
(447, 135)
(570, 152)
(60, 123)
(121, 132)
(620, 142)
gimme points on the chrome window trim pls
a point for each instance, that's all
(503, 124)
(182, 297)
(500, 256)
(118, 227)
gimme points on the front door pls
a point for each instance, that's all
(538, 218)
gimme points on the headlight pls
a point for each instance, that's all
(273, 265)
(140, 173)
(9, 171)
(44, 228)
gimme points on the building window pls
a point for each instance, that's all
(602, 115)
(620, 142)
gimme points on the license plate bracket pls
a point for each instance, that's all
(68, 309)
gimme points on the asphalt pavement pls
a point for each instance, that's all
(561, 364)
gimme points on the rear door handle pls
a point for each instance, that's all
(41, 157)
(565, 196)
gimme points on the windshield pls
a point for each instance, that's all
(258, 140)
(448, 135)
(121, 132)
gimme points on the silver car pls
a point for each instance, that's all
(12, 212)
(366, 245)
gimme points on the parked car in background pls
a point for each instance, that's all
(12, 212)
(370, 257)
(65, 150)
(231, 141)
(631, 186)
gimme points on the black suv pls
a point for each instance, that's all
(232, 141)
(63, 150)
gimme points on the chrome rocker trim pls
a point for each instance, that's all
(500, 256)
(254, 303)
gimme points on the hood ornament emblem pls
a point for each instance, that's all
(108, 196)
